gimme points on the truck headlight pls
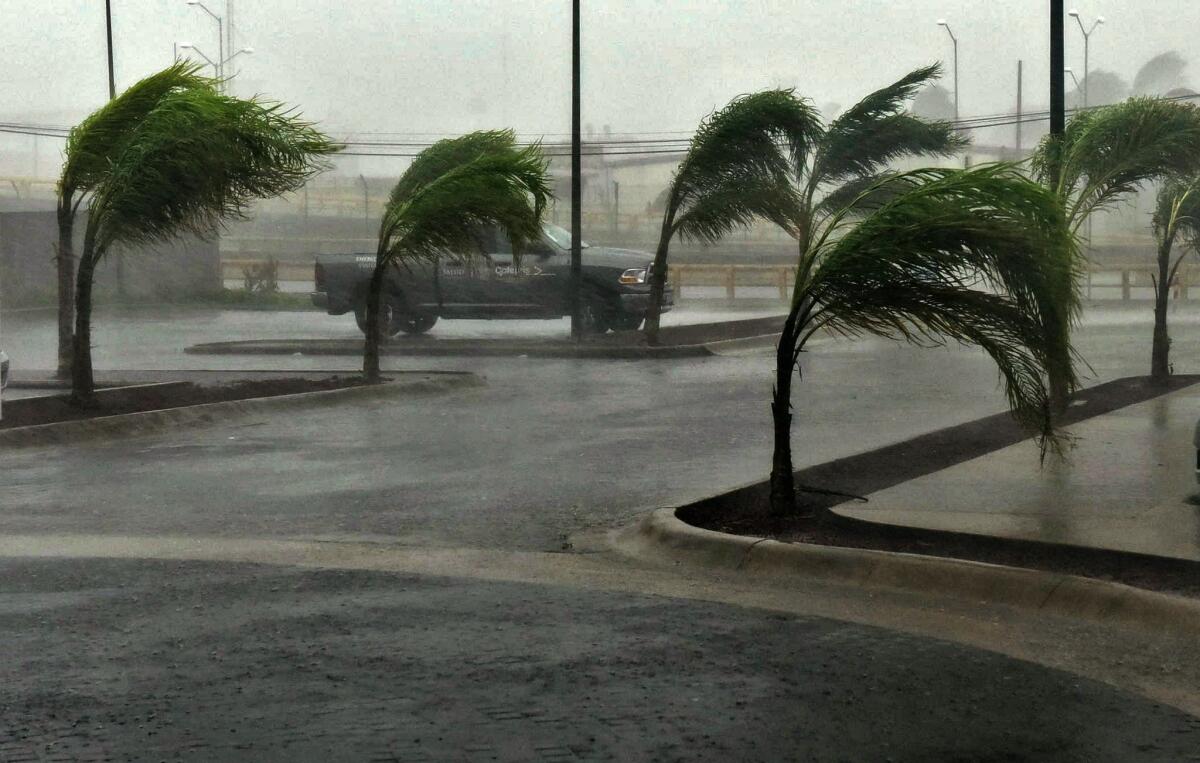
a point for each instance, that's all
(633, 275)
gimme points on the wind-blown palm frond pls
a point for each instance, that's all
(738, 168)
(199, 158)
(744, 138)
(453, 191)
(507, 188)
(93, 144)
(1177, 209)
(448, 154)
(1107, 153)
(734, 200)
(877, 131)
(859, 195)
(980, 256)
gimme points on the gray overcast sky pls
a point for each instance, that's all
(438, 66)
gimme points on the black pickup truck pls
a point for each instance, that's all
(491, 286)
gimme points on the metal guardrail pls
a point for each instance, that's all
(1100, 281)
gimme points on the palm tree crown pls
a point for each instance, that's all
(453, 190)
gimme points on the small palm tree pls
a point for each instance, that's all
(732, 175)
(92, 147)
(1176, 215)
(451, 191)
(194, 160)
(979, 256)
(1107, 154)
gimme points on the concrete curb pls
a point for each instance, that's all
(131, 424)
(662, 536)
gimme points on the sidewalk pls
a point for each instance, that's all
(1126, 485)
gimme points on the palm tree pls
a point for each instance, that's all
(733, 170)
(1107, 154)
(438, 207)
(1176, 214)
(732, 174)
(92, 147)
(194, 160)
(979, 256)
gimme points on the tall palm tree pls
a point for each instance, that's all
(451, 191)
(979, 256)
(92, 147)
(194, 160)
(1176, 214)
(733, 170)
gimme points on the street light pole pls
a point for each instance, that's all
(576, 183)
(953, 39)
(1087, 36)
(197, 51)
(220, 36)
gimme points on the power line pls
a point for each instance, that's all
(607, 146)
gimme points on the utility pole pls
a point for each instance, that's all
(1020, 82)
(576, 183)
(1058, 115)
(112, 82)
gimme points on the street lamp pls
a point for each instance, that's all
(188, 46)
(942, 23)
(1087, 35)
(1073, 77)
(220, 33)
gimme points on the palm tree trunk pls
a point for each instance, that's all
(65, 262)
(783, 482)
(371, 350)
(83, 385)
(658, 280)
(1160, 369)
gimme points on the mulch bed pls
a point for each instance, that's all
(826, 485)
(155, 397)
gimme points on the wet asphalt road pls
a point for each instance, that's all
(152, 660)
(547, 449)
(165, 660)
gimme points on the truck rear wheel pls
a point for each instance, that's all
(416, 323)
(388, 318)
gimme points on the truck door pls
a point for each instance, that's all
(518, 288)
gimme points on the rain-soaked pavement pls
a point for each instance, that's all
(143, 659)
(1128, 484)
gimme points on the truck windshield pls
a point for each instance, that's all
(561, 236)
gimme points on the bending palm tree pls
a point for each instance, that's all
(733, 174)
(195, 159)
(92, 148)
(1177, 213)
(1105, 154)
(452, 190)
(734, 171)
(1108, 153)
(978, 256)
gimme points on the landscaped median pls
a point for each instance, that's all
(662, 537)
(142, 408)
